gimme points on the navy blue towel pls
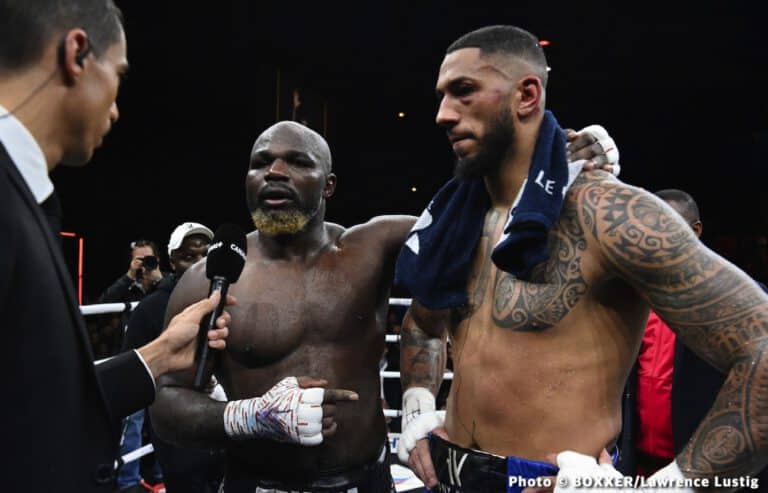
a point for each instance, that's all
(435, 260)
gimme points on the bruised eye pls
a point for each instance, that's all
(464, 89)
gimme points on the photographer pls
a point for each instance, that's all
(141, 279)
(142, 276)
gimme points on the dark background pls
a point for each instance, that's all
(681, 86)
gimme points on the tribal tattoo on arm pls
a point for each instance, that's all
(423, 347)
(715, 309)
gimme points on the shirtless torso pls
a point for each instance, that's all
(540, 365)
(323, 316)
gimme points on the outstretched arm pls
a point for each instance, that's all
(715, 309)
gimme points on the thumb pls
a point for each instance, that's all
(207, 305)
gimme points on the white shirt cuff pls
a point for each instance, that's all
(147, 367)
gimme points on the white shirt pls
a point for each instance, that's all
(28, 158)
(26, 155)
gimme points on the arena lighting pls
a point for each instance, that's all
(80, 250)
(544, 42)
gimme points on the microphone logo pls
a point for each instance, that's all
(237, 250)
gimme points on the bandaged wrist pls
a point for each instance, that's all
(416, 401)
(607, 144)
(669, 479)
(286, 413)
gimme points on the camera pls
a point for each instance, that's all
(150, 262)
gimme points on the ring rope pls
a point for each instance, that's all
(104, 308)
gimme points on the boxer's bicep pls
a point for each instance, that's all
(714, 308)
(709, 302)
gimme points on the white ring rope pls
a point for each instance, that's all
(102, 308)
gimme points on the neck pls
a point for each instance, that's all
(300, 246)
(31, 98)
(504, 186)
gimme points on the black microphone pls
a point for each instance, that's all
(225, 262)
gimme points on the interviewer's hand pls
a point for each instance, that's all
(175, 348)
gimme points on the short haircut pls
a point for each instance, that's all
(28, 26)
(507, 40)
(142, 243)
(688, 206)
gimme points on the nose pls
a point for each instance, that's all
(114, 113)
(447, 116)
(277, 170)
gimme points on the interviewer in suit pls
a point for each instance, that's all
(60, 66)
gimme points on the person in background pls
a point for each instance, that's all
(184, 470)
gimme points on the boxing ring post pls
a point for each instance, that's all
(80, 250)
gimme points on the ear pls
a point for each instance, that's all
(330, 185)
(698, 228)
(73, 50)
(531, 94)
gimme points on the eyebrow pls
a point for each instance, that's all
(453, 83)
(267, 154)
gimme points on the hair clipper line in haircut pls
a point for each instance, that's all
(509, 40)
(27, 26)
(689, 207)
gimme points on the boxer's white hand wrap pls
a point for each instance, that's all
(574, 467)
(607, 144)
(419, 418)
(286, 413)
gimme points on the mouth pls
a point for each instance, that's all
(277, 197)
(459, 142)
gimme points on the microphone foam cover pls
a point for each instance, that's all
(227, 253)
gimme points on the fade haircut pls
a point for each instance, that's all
(688, 207)
(28, 26)
(510, 41)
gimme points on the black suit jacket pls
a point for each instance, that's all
(60, 414)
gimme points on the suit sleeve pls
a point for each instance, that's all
(126, 383)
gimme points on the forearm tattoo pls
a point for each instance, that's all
(422, 358)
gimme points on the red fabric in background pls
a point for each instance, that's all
(654, 389)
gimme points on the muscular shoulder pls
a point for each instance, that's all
(192, 287)
(636, 230)
(387, 231)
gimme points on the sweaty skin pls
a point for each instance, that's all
(310, 303)
(539, 365)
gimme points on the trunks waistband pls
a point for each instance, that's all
(334, 480)
(462, 469)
